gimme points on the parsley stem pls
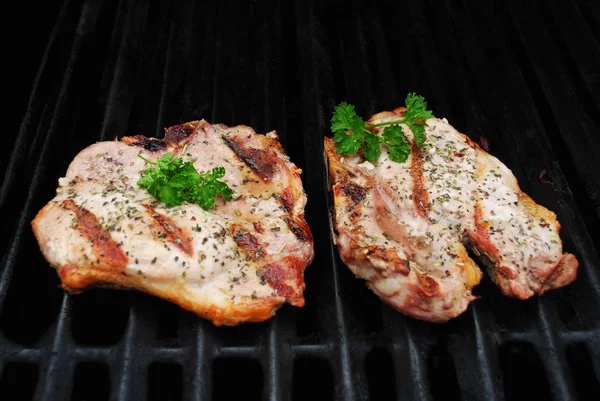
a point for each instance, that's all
(403, 121)
(146, 160)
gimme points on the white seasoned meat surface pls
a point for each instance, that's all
(405, 227)
(237, 262)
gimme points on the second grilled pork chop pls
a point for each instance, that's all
(403, 227)
(237, 262)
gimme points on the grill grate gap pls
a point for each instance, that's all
(169, 321)
(165, 382)
(91, 382)
(100, 316)
(586, 382)
(238, 336)
(312, 380)
(249, 379)
(18, 381)
(523, 372)
(380, 373)
(365, 306)
(442, 374)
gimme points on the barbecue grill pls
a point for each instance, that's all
(522, 79)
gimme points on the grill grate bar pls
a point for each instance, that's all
(60, 363)
(278, 359)
(591, 13)
(32, 115)
(561, 385)
(561, 97)
(126, 34)
(38, 174)
(576, 43)
(473, 353)
(409, 357)
(567, 204)
(580, 336)
(197, 373)
(283, 66)
(318, 63)
(274, 364)
(131, 367)
(595, 354)
(166, 82)
(572, 223)
(10, 352)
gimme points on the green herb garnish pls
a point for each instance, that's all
(173, 182)
(352, 134)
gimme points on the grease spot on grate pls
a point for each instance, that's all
(165, 382)
(91, 382)
(18, 381)
(380, 375)
(312, 380)
(523, 372)
(247, 375)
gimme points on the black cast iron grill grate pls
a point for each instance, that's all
(522, 78)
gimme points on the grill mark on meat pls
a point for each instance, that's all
(300, 229)
(429, 286)
(287, 199)
(485, 249)
(177, 133)
(471, 143)
(390, 257)
(261, 161)
(354, 192)
(106, 249)
(247, 242)
(390, 222)
(419, 193)
(258, 227)
(150, 144)
(286, 278)
(170, 230)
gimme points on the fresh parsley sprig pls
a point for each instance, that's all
(352, 134)
(172, 182)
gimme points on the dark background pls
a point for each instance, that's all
(522, 78)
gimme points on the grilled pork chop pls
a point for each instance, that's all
(235, 263)
(403, 227)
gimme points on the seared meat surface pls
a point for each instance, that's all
(237, 262)
(405, 227)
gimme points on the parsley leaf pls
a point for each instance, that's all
(352, 135)
(173, 181)
(345, 119)
(396, 142)
(372, 147)
(415, 115)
